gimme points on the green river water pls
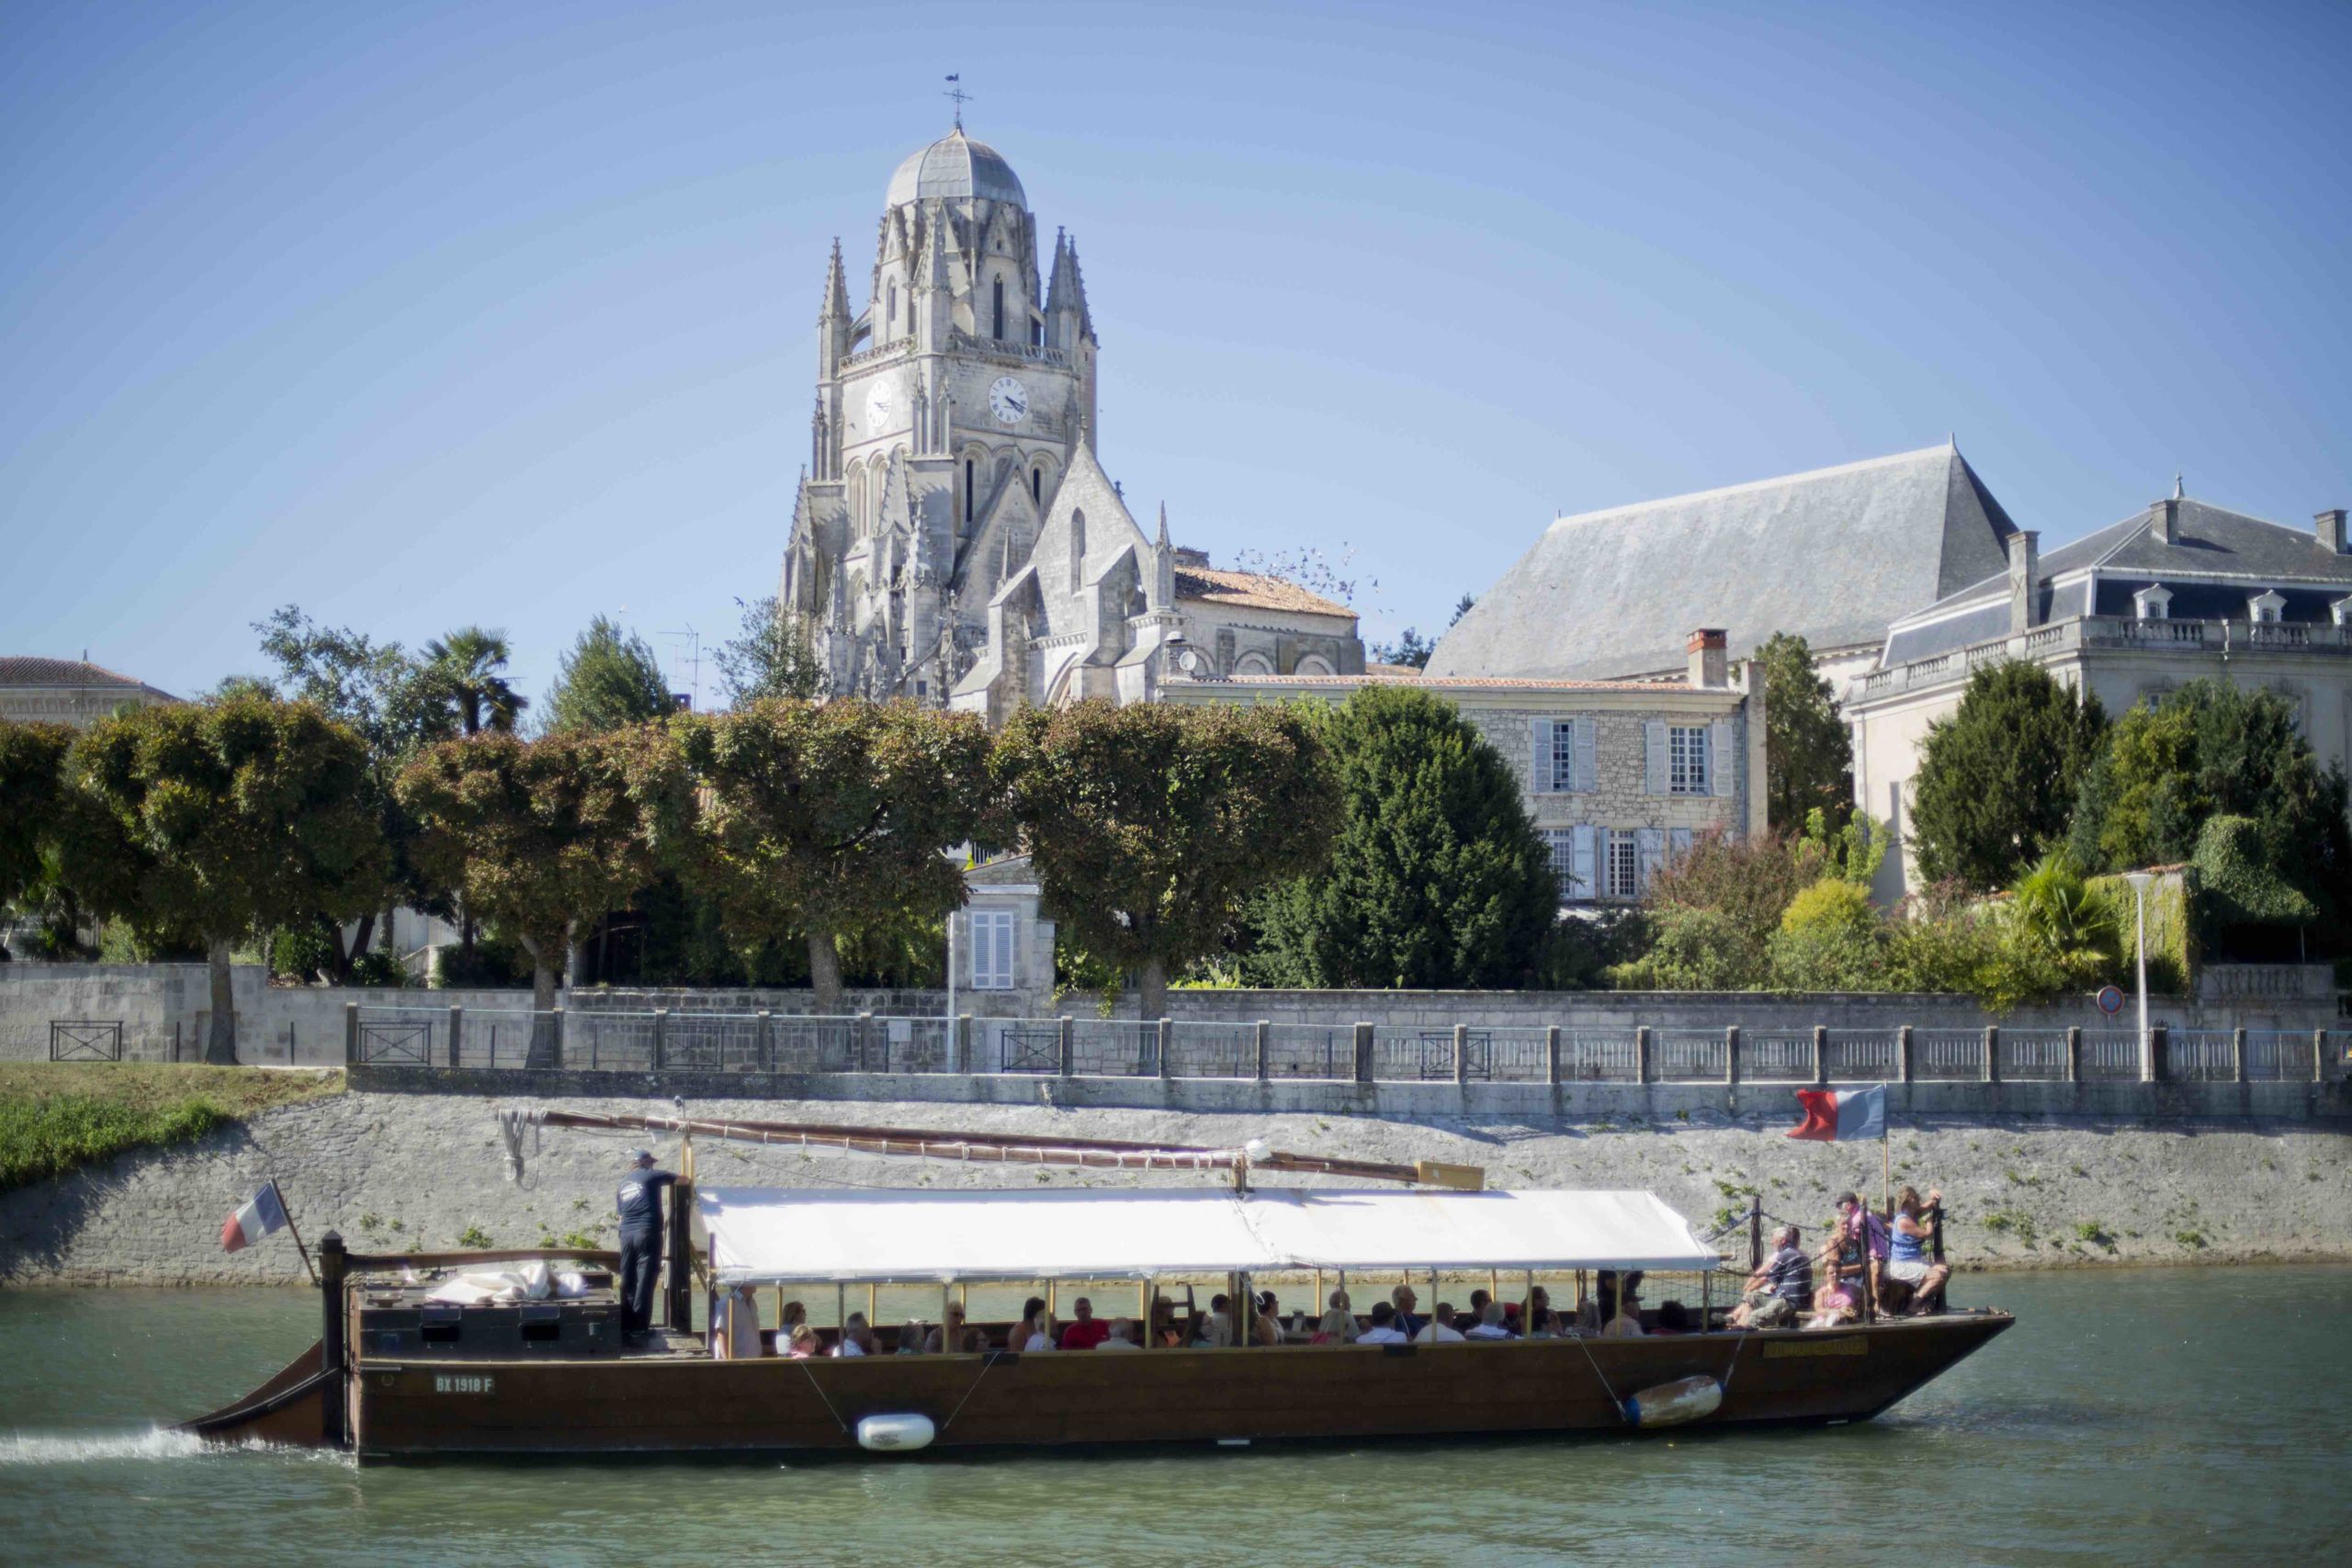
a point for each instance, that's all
(2154, 1415)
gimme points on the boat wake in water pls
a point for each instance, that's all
(154, 1443)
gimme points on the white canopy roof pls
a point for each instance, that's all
(781, 1236)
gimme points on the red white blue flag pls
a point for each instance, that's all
(1834, 1115)
(266, 1213)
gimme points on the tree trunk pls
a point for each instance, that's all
(220, 1038)
(345, 957)
(1152, 981)
(825, 973)
(545, 957)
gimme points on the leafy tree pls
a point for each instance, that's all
(1831, 938)
(1411, 650)
(1997, 779)
(2237, 881)
(1808, 757)
(469, 673)
(538, 836)
(1436, 876)
(768, 656)
(227, 817)
(610, 680)
(1696, 948)
(396, 705)
(32, 790)
(1151, 826)
(829, 822)
(2060, 935)
(2213, 749)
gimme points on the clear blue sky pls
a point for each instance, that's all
(419, 315)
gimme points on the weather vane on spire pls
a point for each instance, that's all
(956, 90)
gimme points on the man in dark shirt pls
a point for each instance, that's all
(639, 1201)
(1781, 1288)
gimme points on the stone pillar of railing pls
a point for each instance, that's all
(763, 1040)
(555, 1029)
(1643, 1072)
(1903, 1050)
(1992, 1054)
(1065, 1046)
(963, 1047)
(2237, 1055)
(1551, 1053)
(2073, 1053)
(350, 1035)
(1164, 1048)
(861, 1041)
(2158, 1039)
(1731, 1057)
(1461, 1053)
(456, 1034)
(2319, 1056)
(1820, 1055)
(661, 1057)
(1262, 1050)
(1364, 1032)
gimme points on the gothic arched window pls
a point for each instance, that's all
(891, 319)
(968, 489)
(999, 331)
(1037, 487)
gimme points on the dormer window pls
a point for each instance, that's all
(2264, 608)
(2153, 603)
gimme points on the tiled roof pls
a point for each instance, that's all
(1833, 555)
(20, 670)
(1382, 675)
(1252, 590)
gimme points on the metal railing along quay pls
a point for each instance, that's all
(764, 1044)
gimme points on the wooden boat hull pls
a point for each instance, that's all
(414, 1408)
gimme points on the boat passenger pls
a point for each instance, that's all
(857, 1338)
(1216, 1332)
(1165, 1333)
(1266, 1321)
(795, 1314)
(1780, 1289)
(953, 1336)
(911, 1337)
(1036, 1331)
(1384, 1329)
(1625, 1323)
(1672, 1318)
(1490, 1323)
(1479, 1300)
(1541, 1321)
(1120, 1336)
(1337, 1326)
(804, 1345)
(1856, 1256)
(735, 1326)
(639, 1203)
(1086, 1331)
(1908, 1263)
(1408, 1322)
(1440, 1329)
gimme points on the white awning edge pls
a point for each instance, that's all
(795, 1236)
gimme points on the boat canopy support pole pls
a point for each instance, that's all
(331, 1345)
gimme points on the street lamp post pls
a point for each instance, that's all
(2140, 880)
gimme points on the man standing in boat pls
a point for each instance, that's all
(639, 1201)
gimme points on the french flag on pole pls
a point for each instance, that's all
(266, 1213)
(1835, 1115)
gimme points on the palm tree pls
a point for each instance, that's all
(469, 667)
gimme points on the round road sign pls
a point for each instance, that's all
(2111, 1000)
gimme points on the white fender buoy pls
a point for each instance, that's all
(895, 1434)
(1672, 1404)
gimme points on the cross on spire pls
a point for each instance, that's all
(956, 91)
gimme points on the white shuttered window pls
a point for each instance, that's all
(991, 949)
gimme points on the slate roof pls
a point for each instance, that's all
(1833, 555)
(955, 167)
(1384, 675)
(1252, 590)
(68, 674)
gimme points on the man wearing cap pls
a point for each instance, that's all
(640, 1203)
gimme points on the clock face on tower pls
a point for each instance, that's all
(1009, 400)
(880, 403)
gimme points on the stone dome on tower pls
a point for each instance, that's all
(955, 167)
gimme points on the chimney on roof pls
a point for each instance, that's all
(2166, 515)
(2330, 524)
(1708, 660)
(2025, 561)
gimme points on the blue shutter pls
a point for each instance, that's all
(1719, 757)
(1653, 774)
(1581, 861)
(1649, 848)
(1539, 760)
(1587, 754)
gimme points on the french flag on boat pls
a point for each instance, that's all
(1834, 1115)
(264, 1214)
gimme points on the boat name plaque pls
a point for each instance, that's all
(1852, 1345)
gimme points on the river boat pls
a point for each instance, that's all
(403, 1372)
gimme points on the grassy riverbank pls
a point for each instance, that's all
(56, 1117)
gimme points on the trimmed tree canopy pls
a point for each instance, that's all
(829, 822)
(1437, 878)
(32, 767)
(1150, 826)
(1997, 779)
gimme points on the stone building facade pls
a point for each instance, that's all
(2179, 590)
(954, 540)
(1619, 775)
(68, 691)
